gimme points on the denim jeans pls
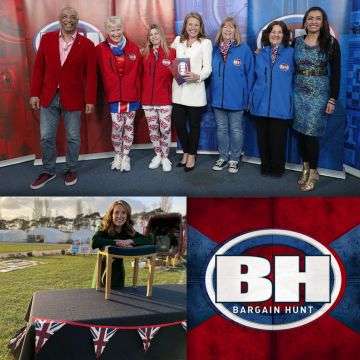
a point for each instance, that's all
(49, 122)
(229, 133)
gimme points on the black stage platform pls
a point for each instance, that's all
(81, 308)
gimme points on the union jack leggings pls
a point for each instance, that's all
(159, 123)
(122, 132)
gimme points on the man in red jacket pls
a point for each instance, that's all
(63, 83)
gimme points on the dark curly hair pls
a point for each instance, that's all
(324, 36)
(265, 34)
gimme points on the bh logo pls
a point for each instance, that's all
(84, 28)
(273, 279)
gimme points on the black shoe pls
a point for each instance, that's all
(187, 169)
(180, 164)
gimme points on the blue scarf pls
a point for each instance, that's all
(117, 49)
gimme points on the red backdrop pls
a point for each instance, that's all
(21, 21)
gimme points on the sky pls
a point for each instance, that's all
(13, 207)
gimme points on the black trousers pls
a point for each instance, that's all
(118, 273)
(271, 138)
(309, 149)
(187, 124)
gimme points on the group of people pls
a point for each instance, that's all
(284, 83)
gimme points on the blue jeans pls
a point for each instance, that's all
(229, 133)
(49, 122)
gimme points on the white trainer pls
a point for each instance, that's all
(233, 167)
(116, 164)
(166, 164)
(125, 165)
(155, 162)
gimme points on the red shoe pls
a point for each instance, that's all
(70, 178)
(41, 180)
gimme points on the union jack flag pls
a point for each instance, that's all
(184, 325)
(101, 336)
(43, 330)
(147, 334)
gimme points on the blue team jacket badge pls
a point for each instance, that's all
(237, 62)
(284, 67)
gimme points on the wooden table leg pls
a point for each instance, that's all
(136, 271)
(98, 271)
(151, 262)
(108, 276)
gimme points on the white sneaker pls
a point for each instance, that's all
(220, 164)
(116, 164)
(233, 167)
(155, 162)
(125, 165)
(166, 164)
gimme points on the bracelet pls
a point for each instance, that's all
(332, 102)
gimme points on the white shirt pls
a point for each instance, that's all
(200, 54)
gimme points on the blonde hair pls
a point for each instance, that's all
(237, 36)
(112, 21)
(184, 35)
(149, 45)
(107, 224)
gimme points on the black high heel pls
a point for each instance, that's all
(187, 169)
(190, 168)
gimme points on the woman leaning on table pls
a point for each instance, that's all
(317, 81)
(231, 81)
(271, 102)
(117, 229)
(189, 98)
(156, 94)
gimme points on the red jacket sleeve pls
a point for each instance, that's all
(37, 77)
(91, 83)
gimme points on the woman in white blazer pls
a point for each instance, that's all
(189, 98)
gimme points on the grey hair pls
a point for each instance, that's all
(113, 21)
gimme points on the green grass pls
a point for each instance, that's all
(54, 272)
(25, 247)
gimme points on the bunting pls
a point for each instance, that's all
(101, 336)
(184, 325)
(43, 330)
(147, 334)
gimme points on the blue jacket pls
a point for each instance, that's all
(231, 81)
(272, 93)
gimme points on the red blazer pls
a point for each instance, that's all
(126, 88)
(157, 78)
(76, 78)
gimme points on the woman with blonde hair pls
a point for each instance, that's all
(231, 81)
(189, 98)
(156, 94)
(117, 229)
(119, 60)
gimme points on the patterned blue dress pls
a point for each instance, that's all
(311, 93)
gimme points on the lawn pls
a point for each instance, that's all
(54, 272)
(25, 247)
